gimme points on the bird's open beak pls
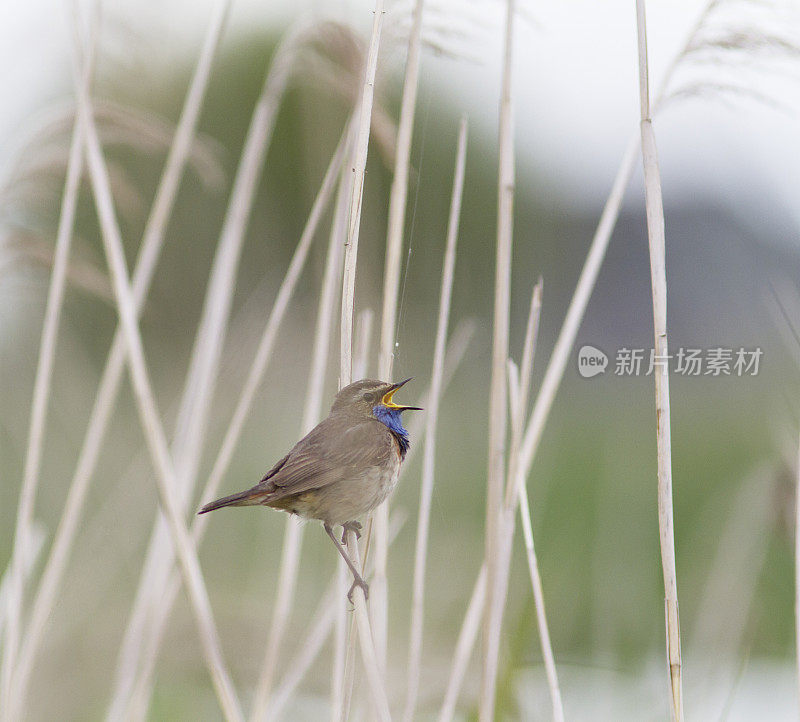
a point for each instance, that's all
(389, 404)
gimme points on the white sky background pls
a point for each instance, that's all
(575, 82)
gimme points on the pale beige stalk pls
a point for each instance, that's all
(201, 378)
(316, 634)
(254, 379)
(498, 398)
(150, 421)
(371, 662)
(518, 385)
(290, 557)
(431, 422)
(380, 702)
(11, 688)
(466, 641)
(363, 339)
(655, 232)
(151, 244)
(356, 199)
(398, 197)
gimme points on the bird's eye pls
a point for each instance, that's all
(367, 397)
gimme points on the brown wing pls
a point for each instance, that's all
(335, 450)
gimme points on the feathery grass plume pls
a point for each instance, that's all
(177, 159)
(655, 232)
(426, 489)
(151, 424)
(81, 274)
(724, 59)
(498, 401)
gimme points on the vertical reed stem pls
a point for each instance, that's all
(498, 399)
(655, 231)
(428, 469)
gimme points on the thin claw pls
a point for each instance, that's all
(358, 582)
(353, 526)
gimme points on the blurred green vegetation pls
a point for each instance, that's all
(593, 487)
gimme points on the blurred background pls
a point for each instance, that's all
(728, 145)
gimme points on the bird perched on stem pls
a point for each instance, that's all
(345, 467)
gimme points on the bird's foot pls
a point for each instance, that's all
(358, 582)
(352, 526)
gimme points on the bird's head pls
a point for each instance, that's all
(370, 398)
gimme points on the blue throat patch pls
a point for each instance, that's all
(391, 419)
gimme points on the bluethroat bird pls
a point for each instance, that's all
(345, 467)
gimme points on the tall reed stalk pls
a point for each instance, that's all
(152, 242)
(398, 196)
(252, 383)
(655, 232)
(287, 575)
(201, 377)
(11, 691)
(24, 534)
(148, 412)
(371, 662)
(498, 397)
(428, 464)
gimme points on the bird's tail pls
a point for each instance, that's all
(243, 498)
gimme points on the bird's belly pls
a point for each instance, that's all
(347, 500)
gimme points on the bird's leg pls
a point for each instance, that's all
(352, 526)
(358, 580)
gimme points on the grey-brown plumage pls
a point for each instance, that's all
(345, 467)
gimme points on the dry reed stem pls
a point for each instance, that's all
(572, 321)
(379, 699)
(428, 466)
(569, 329)
(22, 550)
(518, 387)
(363, 338)
(466, 641)
(290, 557)
(316, 634)
(339, 645)
(398, 196)
(150, 421)
(109, 385)
(498, 398)
(160, 614)
(655, 231)
(34, 550)
(201, 377)
(346, 328)
(515, 490)
(356, 198)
